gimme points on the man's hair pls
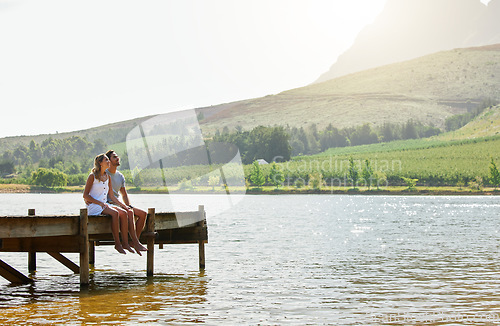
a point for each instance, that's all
(109, 153)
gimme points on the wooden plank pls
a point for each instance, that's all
(41, 244)
(37, 226)
(65, 261)
(165, 221)
(99, 224)
(185, 219)
(84, 248)
(183, 235)
(12, 275)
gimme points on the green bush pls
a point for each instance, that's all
(49, 178)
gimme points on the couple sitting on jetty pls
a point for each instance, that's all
(101, 194)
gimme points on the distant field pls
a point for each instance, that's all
(433, 162)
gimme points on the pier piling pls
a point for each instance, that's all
(150, 228)
(84, 248)
(31, 254)
(201, 243)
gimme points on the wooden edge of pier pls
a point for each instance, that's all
(82, 233)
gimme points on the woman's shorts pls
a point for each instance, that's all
(94, 209)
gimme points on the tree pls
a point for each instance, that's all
(410, 183)
(353, 172)
(380, 177)
(316, 180)
(331, 137)
(99, 147)
(256, 175)
(7, 167)
(477, 183)
(279, 145)
(388, 132)
(367, 174)
(494, 174)
(49, 178)
(213, 180)
(410, 130)
(136, 174)
(276, 176)
(363, 135)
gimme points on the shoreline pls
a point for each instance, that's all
(387, 191)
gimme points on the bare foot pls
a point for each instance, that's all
(138, 248)
(120, 249)
(129, 248)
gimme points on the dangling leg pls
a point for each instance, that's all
(141, 220)
(131, 229)
(115, 227)
(124, 229)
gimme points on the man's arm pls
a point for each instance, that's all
(123, 191)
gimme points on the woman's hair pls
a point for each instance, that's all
(96, 170)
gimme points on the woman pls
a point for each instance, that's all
(96, 194)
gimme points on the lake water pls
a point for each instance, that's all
(297, 260)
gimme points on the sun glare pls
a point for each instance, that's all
(346, 16)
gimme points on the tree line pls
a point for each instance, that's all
(72, 156)
(285, 142)
(268, 143)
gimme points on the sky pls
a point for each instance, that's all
(72, 65)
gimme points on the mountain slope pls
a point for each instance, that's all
(427, 89)
(409, 29)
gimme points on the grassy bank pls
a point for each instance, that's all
(14, 188)
(270, 190)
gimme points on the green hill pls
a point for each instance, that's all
(484, 125)
(428, 89)
(110, 133)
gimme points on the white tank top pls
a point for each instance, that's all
(100, 189)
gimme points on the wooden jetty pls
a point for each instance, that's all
(56, 235)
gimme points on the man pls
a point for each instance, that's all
(118, 183)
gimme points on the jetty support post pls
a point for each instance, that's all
(150, 229)
(201, 243)
(31, 254)
(84, 248)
